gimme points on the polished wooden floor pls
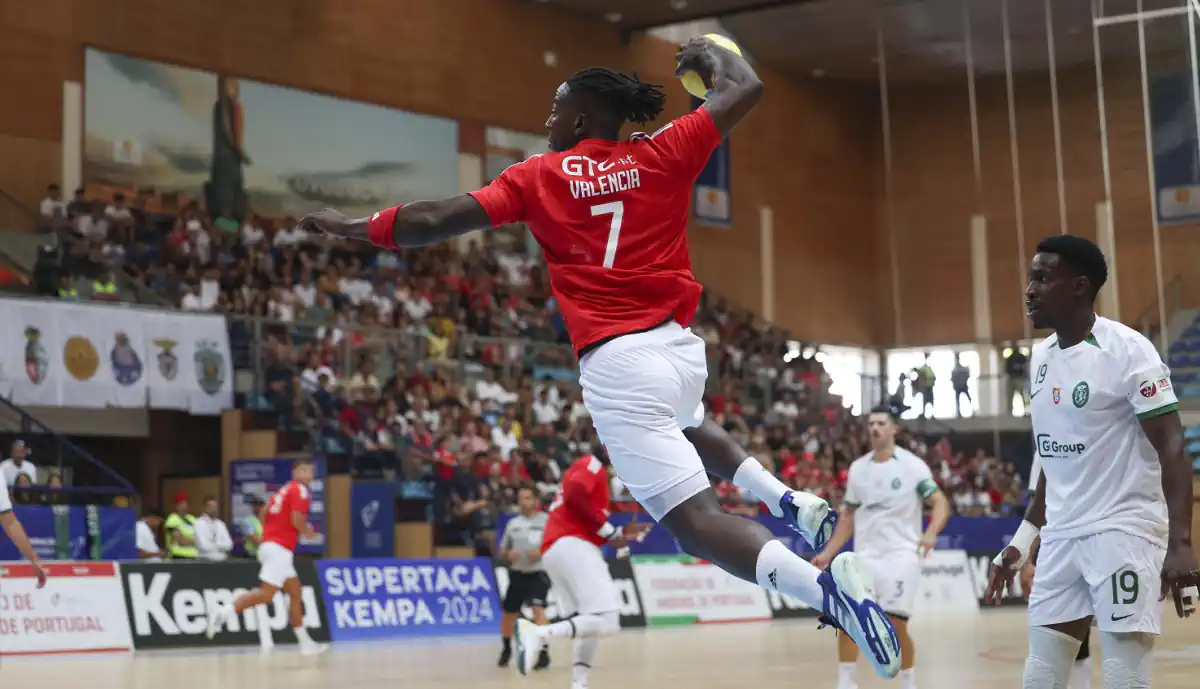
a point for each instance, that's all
(979, 652)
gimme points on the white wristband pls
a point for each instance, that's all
(1022, 541)
(606, 531)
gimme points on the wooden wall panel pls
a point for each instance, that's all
(806, 152)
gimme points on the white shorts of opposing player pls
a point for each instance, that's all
(897, 577)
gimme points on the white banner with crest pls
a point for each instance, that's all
(77, 355)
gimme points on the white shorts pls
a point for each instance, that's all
(642, 390)
(579, 578)
(1113, 575)
(277, 564)
(897, 577)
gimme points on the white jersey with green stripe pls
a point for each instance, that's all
(887, 497)
(1087, 403)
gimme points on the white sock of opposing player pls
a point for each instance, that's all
(779, 569)
(908, 679)
(584, 626)
(847, 678)
(584, 650)
(753, 477)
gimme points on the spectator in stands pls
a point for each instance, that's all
(104, 287)
(959, 378)
(147, 538)
(924, 380)
(251, 527)
(213, 542)
(79, 205)
(52, 211)
(1016, 367)
(120, 221)
(18, 464)
(19, 490)
(180, 531)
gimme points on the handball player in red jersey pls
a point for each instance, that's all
(576, 530)
(286, 520)
(611, 217)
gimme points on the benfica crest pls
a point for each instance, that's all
(168, 362)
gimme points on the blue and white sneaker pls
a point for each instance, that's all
(811, 516)
(849, 606)
(529, 644)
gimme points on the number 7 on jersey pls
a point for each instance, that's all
(617, 210)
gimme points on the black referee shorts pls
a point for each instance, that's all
(526, 588)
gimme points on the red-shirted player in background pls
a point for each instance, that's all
(571, 554)
(286, 520)
(611, 216)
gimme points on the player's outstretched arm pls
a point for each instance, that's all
(16, 532)
(736, 88)
(415, 224)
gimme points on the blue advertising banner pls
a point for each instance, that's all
(711, 202)
(372, 519)
(63, 533)
(389, 599)
(961, 533)
(1176, 149)
(261, 478)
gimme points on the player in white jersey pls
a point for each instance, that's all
(886, 491)
(1114, 504)
(12, 527)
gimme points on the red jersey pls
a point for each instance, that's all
(581, 507)
(611, 217)
(277, 527)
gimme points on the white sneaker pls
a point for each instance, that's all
(313, 649)
(809, 515)
(216, 618)
(529, 642)
(849, 605)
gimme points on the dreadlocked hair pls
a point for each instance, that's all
(628, 98)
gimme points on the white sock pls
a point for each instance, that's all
(583, 651)
(302, 635)
(779, 569)
(846, 676)
(584, 626)
(908, 679)
(1081, 674)
(265, 640)
(753, 477)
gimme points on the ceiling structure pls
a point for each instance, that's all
(925, 40)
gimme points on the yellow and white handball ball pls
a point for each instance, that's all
(693, 82)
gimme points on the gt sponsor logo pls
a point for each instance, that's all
(1048, 447)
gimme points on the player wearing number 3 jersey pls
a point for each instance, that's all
(611, 216)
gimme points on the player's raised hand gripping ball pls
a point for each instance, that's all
(694, 63)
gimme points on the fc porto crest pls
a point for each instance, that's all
(126, 364)
(168, 362)
(210, 367)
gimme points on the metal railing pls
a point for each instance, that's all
(53, 452)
